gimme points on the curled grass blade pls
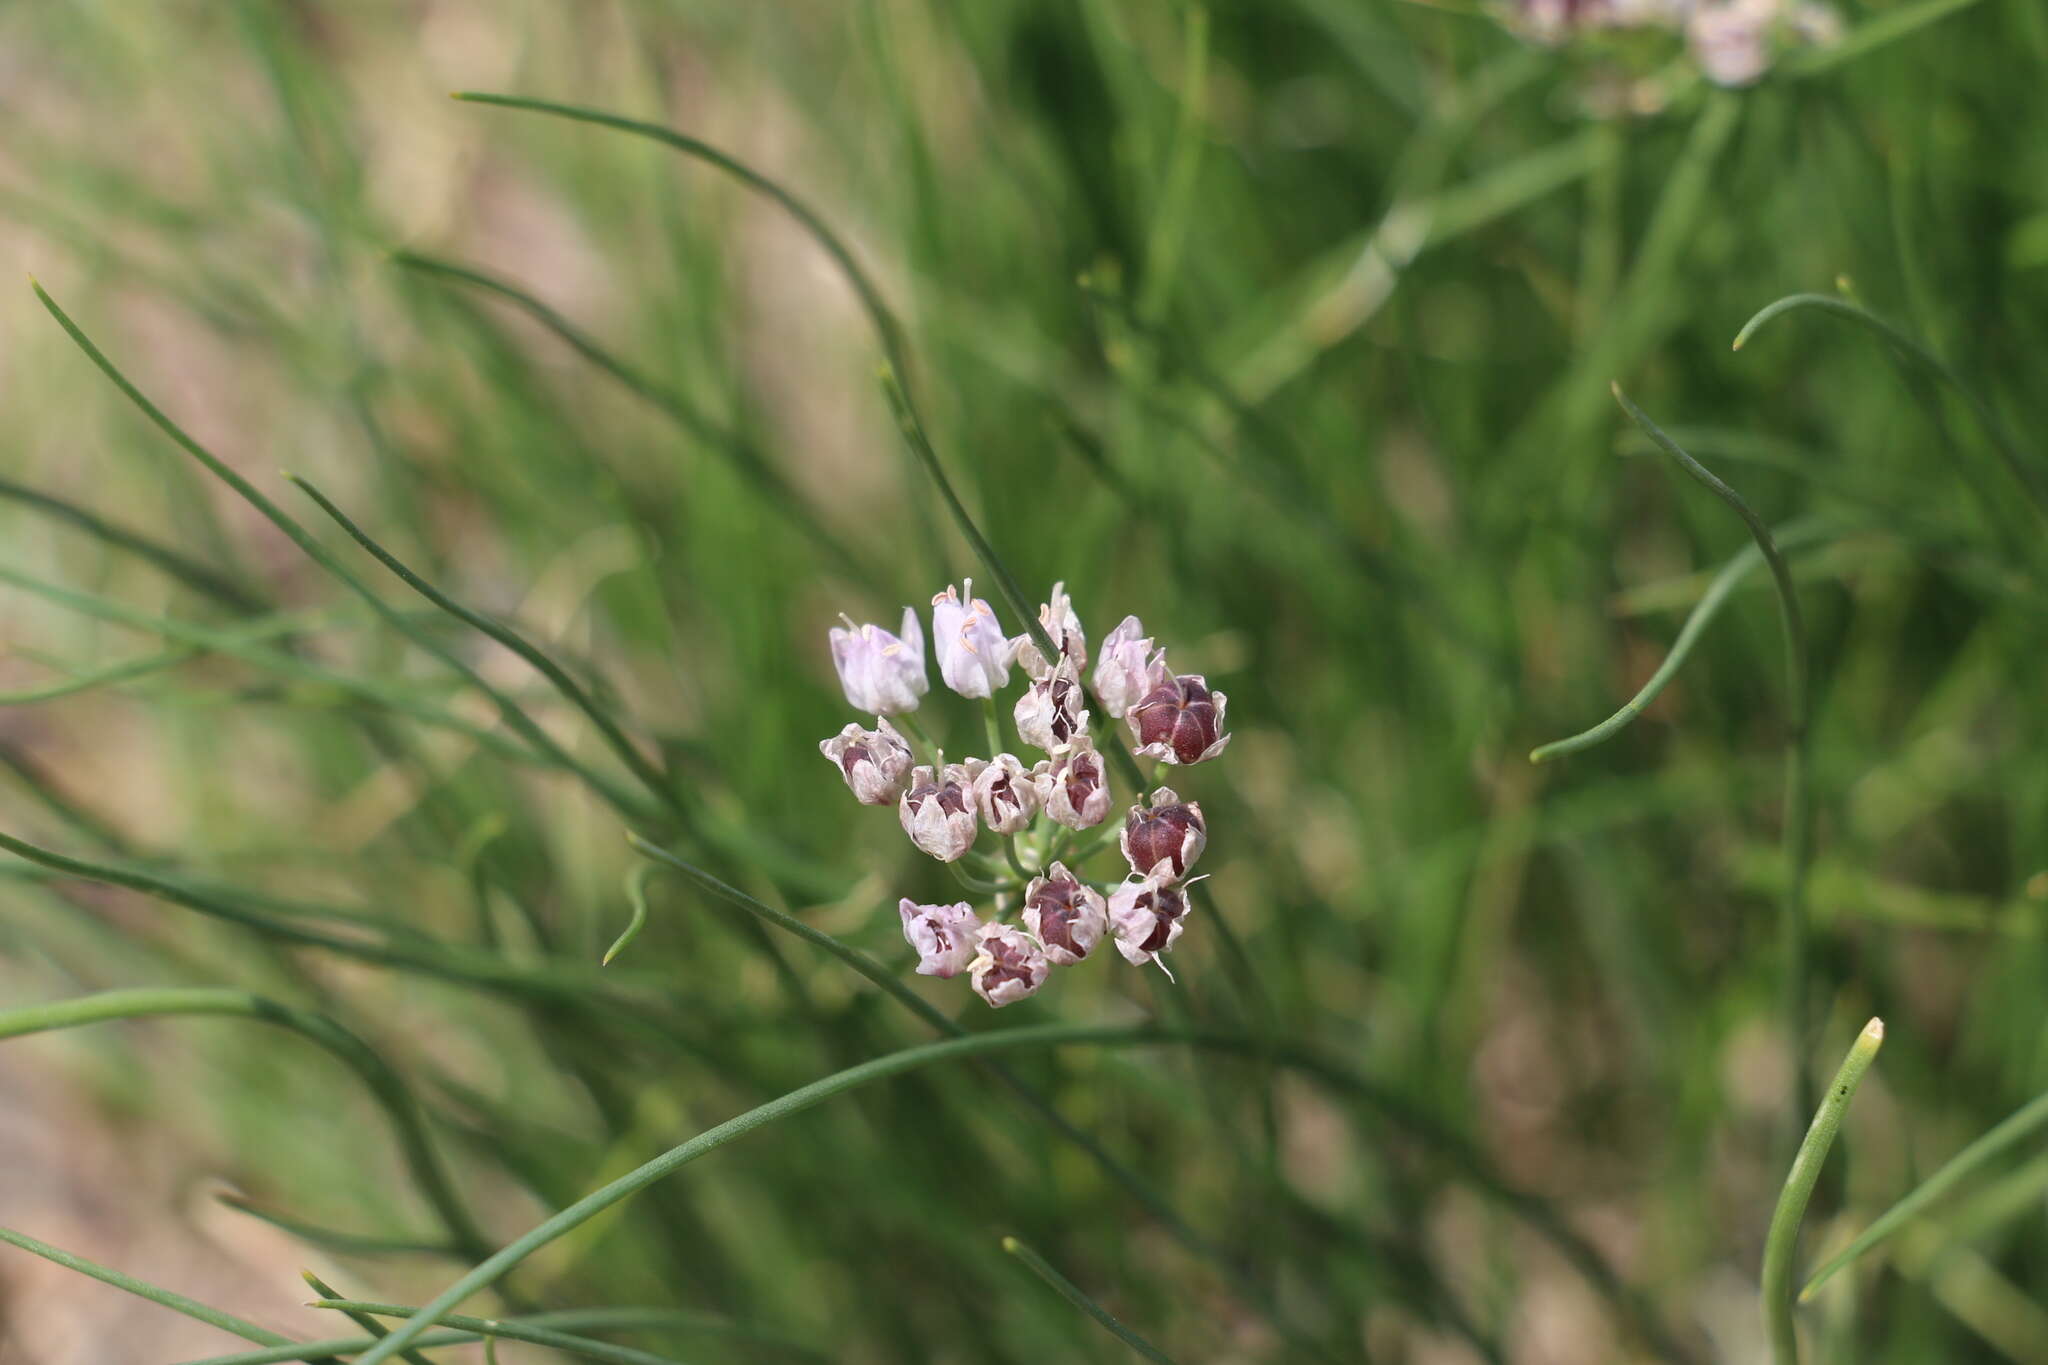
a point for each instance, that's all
(2016, 1128)
(636, 896)
(1781, 1246)
(407, 1121)
(1798, 804)
(1709, 606)
(2017, 461)
(1073, 1294)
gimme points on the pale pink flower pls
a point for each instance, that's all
(1065, 914)
(1073, 787)
(881, 674)
(944, 935)
(938, 811)
(1004, 794)
(875, 763)
(1052, 713)
(1063, 628)
(1128, 668)
(1146, 917)
(974, 658)
(1009, 966)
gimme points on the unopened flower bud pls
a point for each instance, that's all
(1063, 628)
(1066, 914)
(1009, 966)
(1179, 721)
(1072, 787)
(974, 658)
(1052, 711)
(1004, 795)
(881, 674)
(875, 763)
(1146, 917)
(1163, 839)
(944, 935)
(938, 811)
(1128, 668)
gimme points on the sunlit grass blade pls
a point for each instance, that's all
(2020, 463)
(1073, 1294)
(1702, 615)
(2014, 1129)
(739, 451)
(1798, 799)
(191, 1308)
(384, 1084)
(126, 671)
(514, 715)
(1781, 1247)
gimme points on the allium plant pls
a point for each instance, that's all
(1017, 833)
(1732, 42)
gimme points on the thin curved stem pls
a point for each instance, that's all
(1781, 1246)
(1075, 1295)
(385, 1086)
(1724, 584)
(636, 896)
(177, 1303)
(2017, 462)
(1798, 804)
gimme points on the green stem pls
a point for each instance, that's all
(1798, 808)
(1073, 1294)
(1781, 1246)
(178, 1303)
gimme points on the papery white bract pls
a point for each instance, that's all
(1146, 917)
(1063, 628)
(1009, 966)
(1004, 795)
(875, 763)
(1065, 914)
(1073, 787)
(1163, 840)
(1180, 721)
(938, 811)
(881, 674)
(974, 657)
(1128, 668)
(945, 936)
(1052, 712)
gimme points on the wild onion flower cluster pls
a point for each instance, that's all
(1733, 42)
(1036, 817)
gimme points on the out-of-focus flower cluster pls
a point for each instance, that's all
(1047, 911)
(1734, 42)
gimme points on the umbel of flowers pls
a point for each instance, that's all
(1019, 834)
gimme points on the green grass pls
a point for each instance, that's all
(1288, 327)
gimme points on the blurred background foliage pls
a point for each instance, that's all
(1286, 325)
